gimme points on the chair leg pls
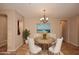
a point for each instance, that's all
(50, 53)
(56, 53)
(35, 54)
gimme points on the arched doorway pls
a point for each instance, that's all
(64, 25)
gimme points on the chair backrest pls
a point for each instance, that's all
(58, 45)
(51, 35)
(31, 43)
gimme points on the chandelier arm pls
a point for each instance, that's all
(44, 19)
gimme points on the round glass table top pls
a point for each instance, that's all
(41, 40)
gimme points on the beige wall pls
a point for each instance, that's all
(31, 25)
(73, 32)
(13, 40)
(19, 39)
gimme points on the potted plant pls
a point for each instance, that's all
(26, 34)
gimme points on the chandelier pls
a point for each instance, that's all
(44, 19)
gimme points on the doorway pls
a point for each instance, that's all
(64, 25)
(3, 33)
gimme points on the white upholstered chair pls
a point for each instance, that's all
(34, 49)
(55, 49)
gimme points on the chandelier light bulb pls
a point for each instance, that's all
(40, 19)
(47, 18)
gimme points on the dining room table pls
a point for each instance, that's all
(44, 43)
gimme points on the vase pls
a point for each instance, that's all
(44, 36)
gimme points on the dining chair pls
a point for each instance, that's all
(34, 49)
(55, 49)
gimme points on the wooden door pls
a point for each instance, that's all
(3, 33)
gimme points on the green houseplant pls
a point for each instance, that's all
(26, 34)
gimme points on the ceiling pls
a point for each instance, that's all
(34, 10)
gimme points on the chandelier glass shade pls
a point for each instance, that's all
(44, 19)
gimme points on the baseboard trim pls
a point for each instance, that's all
(16, 48)
(73, 43)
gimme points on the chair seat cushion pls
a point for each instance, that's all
(51, 49)
(36, 49)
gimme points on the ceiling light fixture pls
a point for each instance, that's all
(44, 19)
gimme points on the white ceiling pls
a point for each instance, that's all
(34, 10)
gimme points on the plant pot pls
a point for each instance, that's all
(26, 41)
